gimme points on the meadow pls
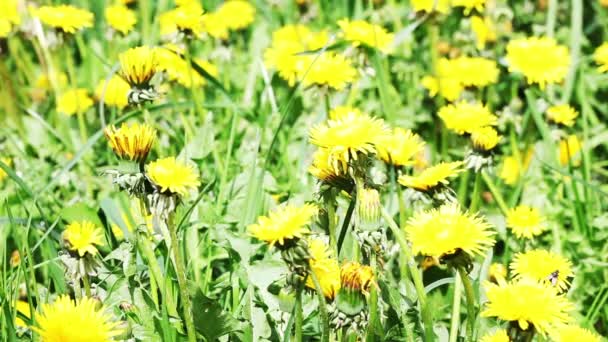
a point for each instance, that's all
(303, 170)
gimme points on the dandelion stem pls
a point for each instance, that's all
(87, 284)
(372, 330)
(455, 322)
(346, 222)
(470, 296)
(322, 307)
(298, 313)
(475, 197)
(416, 276)
(495, 193)
(181, 281)
(330, 205)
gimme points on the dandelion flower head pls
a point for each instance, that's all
(131, 142)
(83, 237)
(67, 18)
(464, 117)
(120, 18)
(115, 93)
(400, 147)
(432, 177)
(562, 114)
(540, 59)
(361, 32)
(525, 221)
(543, 266)
(74, 101)
(284, 224)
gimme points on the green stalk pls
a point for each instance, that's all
(495, 193)
(475, 197)
(373, 305)
(455, 322)
(181, 280)
(87, 284)
(470, 296)
(576, 35)
(330, 205)
(299, 319)
(322, 307)
(427, 318)
(551, 18)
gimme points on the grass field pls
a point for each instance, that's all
(301, 170)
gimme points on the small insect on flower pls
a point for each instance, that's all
(131, 142)
(120, 18)
(562, 114)
(527, 303)
(87, 322)
(83, 237)
(432, 177)
(284, 225)
(544, 266)
(361, 32)
(138, 65)
(525, 222)
(540, 59)
(446, 230)
(570, 333)
(172, 176)
(66, 18)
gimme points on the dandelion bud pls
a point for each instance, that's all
(368, 204)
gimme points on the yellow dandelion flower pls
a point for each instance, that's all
(448, 88)
(525, 222)
(527, 302)
(499, 335)
(471, 71)
(236, 14)
(446, 230)
(66, 18)
(512, 168)
(173, 176)
(400, 147)
(325, 267)
(284, 224)
(600, 56)
(9, 17)
(432, 176)
(9, 163)
(540, 59)
(464, 117)
(361, 32)
(441, 6)
(138, 65)
(497, 272)
(485, 138)
(215, 26)
(329, 69)
(357, 277)
(44, 81)
(484, 30)
(569, 333)
(322, 166)
(120, 18)
(342, 111)
(569, 151)
(74, 101)
(543, 266)
(115, 93)
(562, 114)
(470, 5)
(87, 322)
(346, 137)
(187, 18)
(23, 308)
(131, 142)
(82, 237)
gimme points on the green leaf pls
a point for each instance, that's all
(209, 318)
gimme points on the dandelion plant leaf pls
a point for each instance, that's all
(209, 318)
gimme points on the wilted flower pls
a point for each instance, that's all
(87, 322)
(83, 237)
(173, 176)
(284, 224)
(525, 222)
(540, 59)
